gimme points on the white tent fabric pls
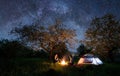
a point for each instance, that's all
(89, 59)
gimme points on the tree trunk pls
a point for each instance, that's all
(51, 55)
(111, 56)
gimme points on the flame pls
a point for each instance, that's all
(63, 62)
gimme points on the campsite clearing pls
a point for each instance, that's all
(43, 67)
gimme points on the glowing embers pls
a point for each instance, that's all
(63, 62)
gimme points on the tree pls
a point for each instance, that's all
(82, 49)
(47, 38)
(13, 49)
(104, 35)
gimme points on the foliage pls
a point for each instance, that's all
(49, 38)
(40, 54)
(61, 49)
(82, 49)
(104, 34)
(13, 49)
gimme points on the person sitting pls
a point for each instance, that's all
(56, 58)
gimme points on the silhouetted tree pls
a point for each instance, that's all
(104, 35)
(48, 38)
(13, 49)
(82, 49)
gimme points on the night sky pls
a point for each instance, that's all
(76, 14)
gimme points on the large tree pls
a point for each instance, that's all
(48, 37)
(104, 35)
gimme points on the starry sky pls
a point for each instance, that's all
(76, 14)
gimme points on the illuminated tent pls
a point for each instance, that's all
(89, 59)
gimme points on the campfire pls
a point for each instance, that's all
(63, 62)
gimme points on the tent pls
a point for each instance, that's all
(89, 59)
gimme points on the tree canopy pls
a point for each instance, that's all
(104, 34)
(82, 49)
(47, 38)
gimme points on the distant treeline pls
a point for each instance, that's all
(15, 49)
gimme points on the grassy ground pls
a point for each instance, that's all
(43, 67)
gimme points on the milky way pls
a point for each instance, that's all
(76, 14)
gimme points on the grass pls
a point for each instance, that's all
(43, 67)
